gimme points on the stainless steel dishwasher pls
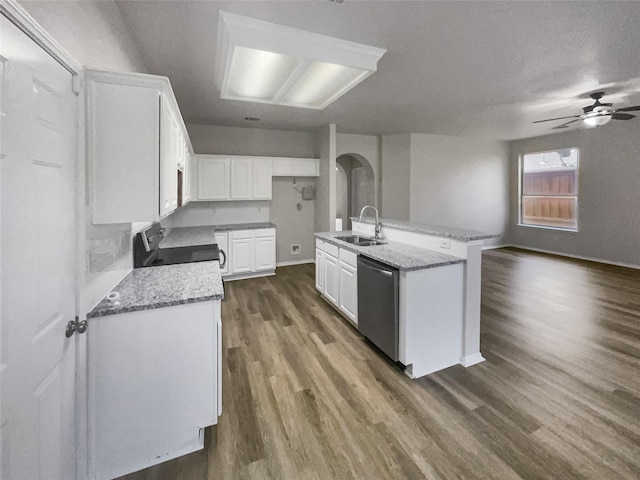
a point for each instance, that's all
(378, 299)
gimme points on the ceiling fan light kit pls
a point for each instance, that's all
(596, 114)
(264, 62)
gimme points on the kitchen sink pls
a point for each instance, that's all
(361, 241)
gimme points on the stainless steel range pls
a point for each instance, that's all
(148, 253)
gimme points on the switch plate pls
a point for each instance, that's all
(445, 243)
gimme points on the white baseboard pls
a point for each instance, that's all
(491, 247)
(470, 360)
(577, 257)
(244, 276)
(295, 262)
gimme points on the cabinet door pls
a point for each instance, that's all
(265, 253)
(331, 278)
(348, 294)
(243, 253)
(262, 181)
(306, 167)
(213, 178)
(241, 176)
(222, 239)
(319, 269)
(168, 161)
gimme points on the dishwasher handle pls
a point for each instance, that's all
(376, 267)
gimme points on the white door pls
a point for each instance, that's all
(168, 161)
(37, 256)
(222, 240)
(262, 181)
(213, 178)
(319, 269)
(241, 176)
(265, 253)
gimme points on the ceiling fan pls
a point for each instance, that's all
(596, 114)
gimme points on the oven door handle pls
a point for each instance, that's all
(224, 258)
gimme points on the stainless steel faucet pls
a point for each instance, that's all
(378, 224)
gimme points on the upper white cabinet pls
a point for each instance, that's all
(214, 177)
(234, 178)
(296, 167)
(135, 141)
(241, 179)
(262, 172)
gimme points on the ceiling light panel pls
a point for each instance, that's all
(256, 74)
(322, 83)
(263, 62)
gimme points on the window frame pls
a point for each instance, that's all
(521, 194)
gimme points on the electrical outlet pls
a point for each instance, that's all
(445, 243)
(295, 249)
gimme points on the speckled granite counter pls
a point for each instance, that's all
(189, 236)
(165, 286)
(395, 254)
(436, 230)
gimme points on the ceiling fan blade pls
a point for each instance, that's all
(622, 116)
(564, 125)
(629, 109)
(559, 118)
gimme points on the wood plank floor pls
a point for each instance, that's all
(305, 397)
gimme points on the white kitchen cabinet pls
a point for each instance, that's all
(133, 122)
(243, 251)
(262, 181)
(265, 249)
(319, 265)
(348, 293)
(222, 239)
(241, 178)
(214, 178)
(296, 167)
(233, 178)
(154, 385)
(331, 277)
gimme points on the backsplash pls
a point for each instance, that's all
(196, 214)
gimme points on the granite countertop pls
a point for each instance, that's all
(204, 235)
(396, 254)
(435, 230)
(164, 286)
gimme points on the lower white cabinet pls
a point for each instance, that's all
(319, 268)
(154, 385)
(252, 251)
(243, 251)
(348, 294)
(337, 278)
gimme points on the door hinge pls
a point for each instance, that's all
(76, 326)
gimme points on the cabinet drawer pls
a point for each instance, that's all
(331, 249)
(265, 232)
(239, 234)
(349, 258)
(319, 244)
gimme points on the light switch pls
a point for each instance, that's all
(445, 243)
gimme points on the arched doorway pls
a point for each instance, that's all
(355, 188)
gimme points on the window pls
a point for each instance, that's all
(549, 189)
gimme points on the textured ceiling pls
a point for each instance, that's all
(476, 68)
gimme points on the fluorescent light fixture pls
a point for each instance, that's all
(267, 63)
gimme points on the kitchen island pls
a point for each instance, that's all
(439, 308)
(154, 367)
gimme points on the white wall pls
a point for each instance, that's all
(94, 34)
(396, 175)
(608, 194)
(325, 207)
(460, 182)
(292, 226)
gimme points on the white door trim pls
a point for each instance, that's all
(25, 22)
